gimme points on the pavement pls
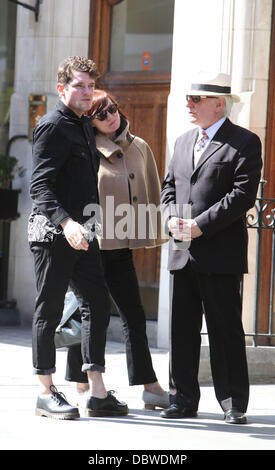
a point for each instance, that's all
(141, 431)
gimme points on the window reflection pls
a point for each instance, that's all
(7, 58)
(141, 36)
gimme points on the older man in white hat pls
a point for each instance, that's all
(215, 171)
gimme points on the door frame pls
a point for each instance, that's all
(268, 192)
(269, 165)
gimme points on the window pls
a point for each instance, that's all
(141, 36)
(7, 58)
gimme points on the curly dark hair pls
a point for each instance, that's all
(75, 63)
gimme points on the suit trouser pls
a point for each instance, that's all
(218, 297)
(57, 265)
(121, 279)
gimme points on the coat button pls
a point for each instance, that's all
(131, 176)
(135, 199)
(119, 155)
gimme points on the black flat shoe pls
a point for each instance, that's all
(175, 411)
(108, 406)
(55, 406)
(233, 416)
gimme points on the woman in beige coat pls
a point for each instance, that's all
(128, 184)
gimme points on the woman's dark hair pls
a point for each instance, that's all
(100, 101)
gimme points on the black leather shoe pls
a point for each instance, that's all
(108, 406)
(55, 406)
(233, 416)
(175, 411)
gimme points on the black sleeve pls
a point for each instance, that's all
(50, 150)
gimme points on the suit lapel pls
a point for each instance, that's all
(212, 147)
(189, 163)
(216, 143)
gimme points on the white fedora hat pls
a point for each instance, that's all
(218, 85)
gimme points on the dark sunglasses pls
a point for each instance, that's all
(196, 98)
(112, 109)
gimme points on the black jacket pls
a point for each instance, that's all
(65, 166)
(218, 192)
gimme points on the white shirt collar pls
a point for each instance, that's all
(212, 130)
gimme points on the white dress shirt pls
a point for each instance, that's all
(210, 131)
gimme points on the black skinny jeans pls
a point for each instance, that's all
(58, 265)
(121, 279)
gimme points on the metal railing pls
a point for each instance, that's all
(262, 218)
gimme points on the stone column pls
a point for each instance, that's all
(250, 73)
(61, 31)
(229, 36)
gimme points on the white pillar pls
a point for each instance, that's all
(206, 38)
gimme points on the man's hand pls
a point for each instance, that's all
(184, 229)
(74, 233)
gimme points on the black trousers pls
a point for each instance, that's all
(58, 265)
(121, 279)
(218, 297)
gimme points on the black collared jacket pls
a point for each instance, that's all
(64, 175)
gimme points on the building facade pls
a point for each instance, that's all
(146, 53)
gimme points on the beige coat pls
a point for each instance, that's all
(128, 175)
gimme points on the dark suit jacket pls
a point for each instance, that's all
(218, 191)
